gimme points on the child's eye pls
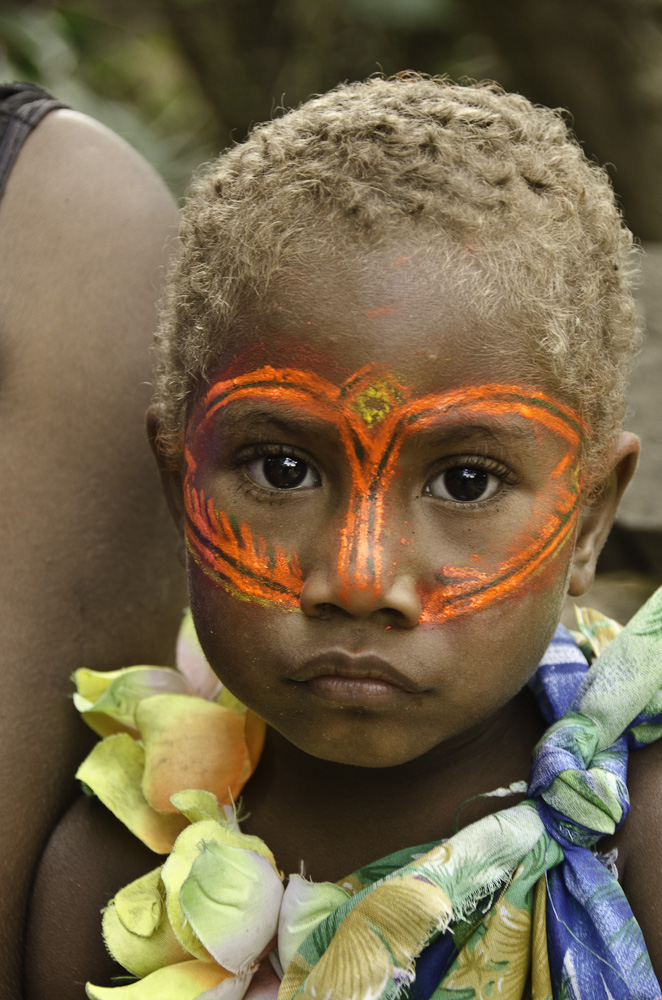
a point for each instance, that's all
(282, 472)
(464, 484)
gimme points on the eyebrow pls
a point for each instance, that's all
(448, 429)
(283, 416)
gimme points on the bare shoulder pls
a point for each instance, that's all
(640, 847)
(86, 230)
(70, 159)
(89, 570)
(89, 857)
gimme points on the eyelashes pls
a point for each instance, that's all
(272, 470)
(469, 479)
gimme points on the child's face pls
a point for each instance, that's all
(380, 511)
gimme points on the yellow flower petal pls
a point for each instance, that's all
(114, 772)
(226, 699)
(184, 981)
(196, 805)
(192, 661)
(305, 905)
(191, 743)
(107, 701)
(141, 904)
(177, 868)
(231, 899)
(136, 928)
(91, 684)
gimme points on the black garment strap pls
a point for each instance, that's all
(22, 106)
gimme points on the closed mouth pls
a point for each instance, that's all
(362, 667)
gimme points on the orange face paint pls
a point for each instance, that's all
(374, 416)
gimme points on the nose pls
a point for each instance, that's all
(325, 593)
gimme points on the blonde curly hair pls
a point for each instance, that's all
(367, 161)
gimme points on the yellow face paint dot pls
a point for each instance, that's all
(376, 401)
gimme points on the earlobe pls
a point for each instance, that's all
(171, 479)
(596, 518)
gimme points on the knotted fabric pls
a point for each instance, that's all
(516, 904)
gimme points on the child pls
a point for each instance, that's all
(391, 385)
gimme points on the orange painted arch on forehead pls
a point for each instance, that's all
(374, 415)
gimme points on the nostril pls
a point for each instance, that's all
(397, 604)
(394, 618)
(328, 610)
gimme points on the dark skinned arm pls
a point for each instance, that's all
(90, 575)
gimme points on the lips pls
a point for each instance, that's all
(337, 675)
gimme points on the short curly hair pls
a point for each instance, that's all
(484, 169)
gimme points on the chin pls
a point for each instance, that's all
(356, 749)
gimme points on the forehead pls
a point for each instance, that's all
(420, 311)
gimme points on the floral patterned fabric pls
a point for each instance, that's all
(515, 905)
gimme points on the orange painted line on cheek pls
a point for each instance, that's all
(468, 589)
(235, 559)
(242, 564)
(482, 590)
(227, 552)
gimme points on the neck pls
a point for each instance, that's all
(345, 816)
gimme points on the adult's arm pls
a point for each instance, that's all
(89, 572)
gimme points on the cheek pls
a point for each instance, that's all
(510, 563)
(236, 559)
(238, 636)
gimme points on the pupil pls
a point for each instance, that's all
(465, 483)
(284, 472)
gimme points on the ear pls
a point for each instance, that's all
(596, 518)
(171, 479)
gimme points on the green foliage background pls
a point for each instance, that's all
(180, 79)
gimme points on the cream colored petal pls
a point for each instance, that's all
(193, 836)
(184, 981)
(305, 904)
(114, 772)
(177, 868)
(193, 663)
(174, 873)
(231, 899)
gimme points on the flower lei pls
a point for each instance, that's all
(177, 750)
